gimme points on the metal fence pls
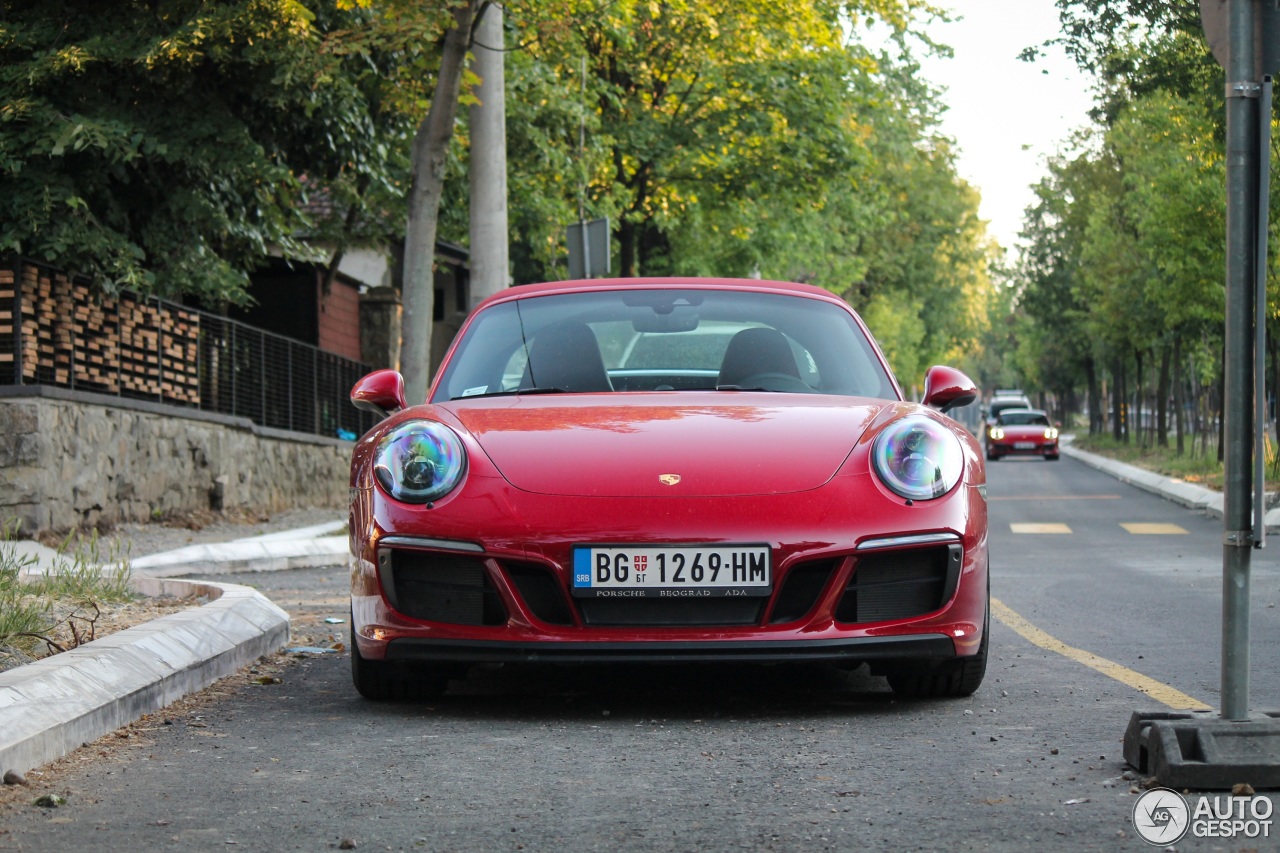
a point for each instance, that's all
(54, 331)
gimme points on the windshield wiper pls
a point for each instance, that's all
(513, 393)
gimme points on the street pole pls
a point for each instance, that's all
(489, 259)
(1187, 749)
(1242, 109)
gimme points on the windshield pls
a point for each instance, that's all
(1024, 419)
(998, 406)
(664, 340)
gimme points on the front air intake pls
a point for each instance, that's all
(900, 584)
(437, 587)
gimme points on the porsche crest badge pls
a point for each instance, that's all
(668, 479)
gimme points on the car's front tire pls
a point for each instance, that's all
(948, 680)
(380, 681)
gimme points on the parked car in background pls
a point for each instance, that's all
(666, 470)
(1022, 432)
(1005, 399)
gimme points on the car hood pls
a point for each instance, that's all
(667, 445)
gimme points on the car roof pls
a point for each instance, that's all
(1024, 412)
(523, 291)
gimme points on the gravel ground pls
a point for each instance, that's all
(72, 623)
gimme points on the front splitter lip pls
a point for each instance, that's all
(852, 649)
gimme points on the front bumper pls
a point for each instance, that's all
(492, 583)
(854, 649)
(1037, 448)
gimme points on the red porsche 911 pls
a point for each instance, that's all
(667, 470)
(1022, 432)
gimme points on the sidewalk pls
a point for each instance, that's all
(50, 707)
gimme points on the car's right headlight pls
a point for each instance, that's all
(419, 461)
(918, 458)
(997, 433)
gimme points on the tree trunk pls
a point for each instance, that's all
(1097, 419)
(489, 260)
(1179, 394)
(1117, 401)
(1220, 393)
(626, 248)
(1162, 398)
(430, 152)
(1138, 394)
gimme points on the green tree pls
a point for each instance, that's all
(162, 145)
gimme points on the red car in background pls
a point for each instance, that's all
(667, 470)
(1022, 432)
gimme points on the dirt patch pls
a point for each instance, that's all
(81, 625)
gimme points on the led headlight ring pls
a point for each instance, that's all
(917, 458)
(419, 461)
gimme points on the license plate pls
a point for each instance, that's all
(1024, 445)
(671, 571)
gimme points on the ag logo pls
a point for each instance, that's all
(1161, 816)
(668, 479)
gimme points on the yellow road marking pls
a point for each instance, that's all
(1151, 529)
(1158, 691)
(1032, 527)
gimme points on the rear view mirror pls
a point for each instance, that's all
(380, 392)
(677, 320)
(946, 388)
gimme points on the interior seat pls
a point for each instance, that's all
(757, 351)
(566, 356)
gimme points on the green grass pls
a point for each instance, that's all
(57, 610)
(1203, 470)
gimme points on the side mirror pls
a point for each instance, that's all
(946, 388)
(380, 392)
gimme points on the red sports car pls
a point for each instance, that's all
(1022, 432)
(667, 470)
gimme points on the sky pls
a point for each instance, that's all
(1006, 115)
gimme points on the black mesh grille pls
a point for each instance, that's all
(541, 593)
(671, 612)
(900, 584)
(800, 591)
(440, 587)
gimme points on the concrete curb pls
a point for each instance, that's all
(52, 706)
(247, 555)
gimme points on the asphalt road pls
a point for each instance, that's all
(704, 758)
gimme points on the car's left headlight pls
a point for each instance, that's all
(918, 458)
(419, 461)
(1051, 433)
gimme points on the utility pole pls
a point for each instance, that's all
(489, 237)
(1243, 96)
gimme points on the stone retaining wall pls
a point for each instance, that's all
(73, 459)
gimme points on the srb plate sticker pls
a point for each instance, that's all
(671, 571)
